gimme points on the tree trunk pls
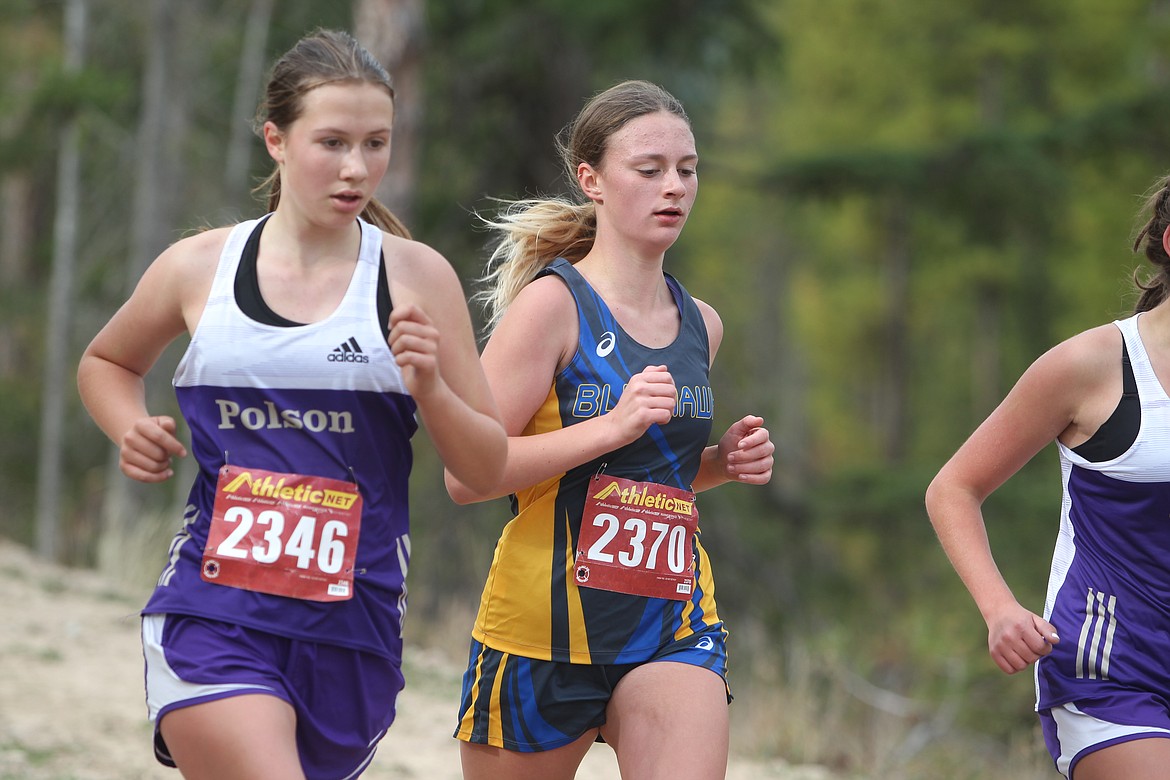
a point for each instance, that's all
(238, 161)
(162, 129)
(56, 350)
(1157, 67)
(986, 352)
(987, 340)
(16, 235)
(393, 31)
(16, 232)
(893, 398)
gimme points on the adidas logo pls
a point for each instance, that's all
(348, 352)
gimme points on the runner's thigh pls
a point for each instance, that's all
(669, 720)
(1148, 759)
(245, 736)
(484, 762)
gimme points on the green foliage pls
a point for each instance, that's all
(58, 98)
(902, 206)
(508, 76)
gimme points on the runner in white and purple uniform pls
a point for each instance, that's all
(318, 333)
(272, 395)
(1102, 646)
(1110, 584)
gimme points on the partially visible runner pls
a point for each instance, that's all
(273, 640)
(598, 617)
(1101, 648)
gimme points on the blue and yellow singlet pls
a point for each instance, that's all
(531, 605)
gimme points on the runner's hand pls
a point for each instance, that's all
(415, 344)
(1018, 638)
(147, 449)
(746, 451)
(648, 399)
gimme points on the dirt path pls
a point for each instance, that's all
(71, 704)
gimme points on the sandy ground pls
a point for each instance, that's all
(71, 702)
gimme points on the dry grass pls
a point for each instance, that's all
(809, 707)
(800, 712)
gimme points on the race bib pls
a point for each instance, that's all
(636, 538)
(285, 534)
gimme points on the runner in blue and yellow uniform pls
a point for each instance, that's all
(598, 617)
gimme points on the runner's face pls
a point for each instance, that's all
(648, 179)
(334, 155)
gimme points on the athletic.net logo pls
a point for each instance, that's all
(348, 352)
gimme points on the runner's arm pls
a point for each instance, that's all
(433, 342)
(111, 373)
(521, 359)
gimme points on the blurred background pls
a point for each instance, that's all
(902, 205)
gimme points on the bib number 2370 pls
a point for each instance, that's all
(636, 538)
(285, 534)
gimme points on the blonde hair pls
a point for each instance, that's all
(533, 232)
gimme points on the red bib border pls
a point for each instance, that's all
(636, 538)
(285, 534)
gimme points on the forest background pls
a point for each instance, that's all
(902, 205)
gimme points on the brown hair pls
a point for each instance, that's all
(1156, 285)
(323, 57)
(534, 232)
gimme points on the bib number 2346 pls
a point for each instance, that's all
(285, 534)
(636, 538)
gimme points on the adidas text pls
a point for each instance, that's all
(347, 357)
(349, 352)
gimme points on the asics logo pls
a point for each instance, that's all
(606, 344)
(706, 643)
